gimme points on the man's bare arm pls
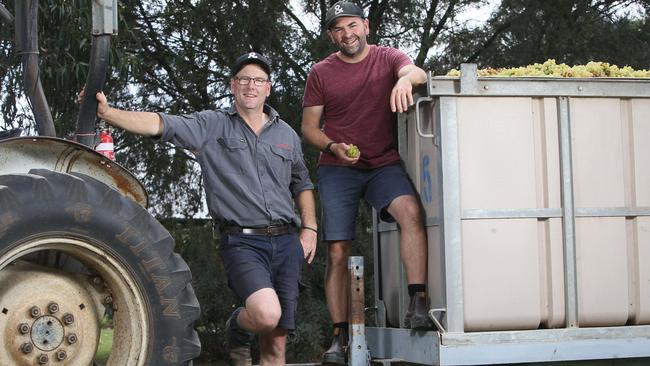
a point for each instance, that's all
(308, 237)
(141, 123)
(312, 132)
(402, 95)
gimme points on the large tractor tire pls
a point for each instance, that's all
(72, 250)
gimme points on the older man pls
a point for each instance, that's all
(253, 171)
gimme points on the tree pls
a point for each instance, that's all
(523, 32)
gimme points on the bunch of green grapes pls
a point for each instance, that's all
(352, 151)
(551, 69)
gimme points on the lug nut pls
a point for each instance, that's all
(35, 311)
(27, 348)
(23, 328)
(61, 355)
(53, 308)
(43, 359)
(108, 300)
(68, 319)
(72, 338)
(97, 280)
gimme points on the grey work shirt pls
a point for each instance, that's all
(249, 180)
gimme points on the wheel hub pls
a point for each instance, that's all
(47, 333)
(47, 317)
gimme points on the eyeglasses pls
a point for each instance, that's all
(245, 80)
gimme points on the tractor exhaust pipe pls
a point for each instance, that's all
(97, 68)
(104, 25)
(27, 42)
(6, 15)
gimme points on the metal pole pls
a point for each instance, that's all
(358, 349)
(568, 221)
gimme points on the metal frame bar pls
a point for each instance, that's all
(507, 347)
(358, 348)
(568, 222)
(541, 87)
(538, 213)
(451, 215)
(380, 306)
(546, 213)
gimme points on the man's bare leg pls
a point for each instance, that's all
(413, 250)
(272, 347)
(337, 285)
(413, 239)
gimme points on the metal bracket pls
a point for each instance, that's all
(468, 79)
(104, 17)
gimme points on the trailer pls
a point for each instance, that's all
(536, 192)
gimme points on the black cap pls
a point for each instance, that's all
(251, 58)
(342, 9)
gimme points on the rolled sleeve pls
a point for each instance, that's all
(188, 131)
(300, 180)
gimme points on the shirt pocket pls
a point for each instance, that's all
(281, 161)
(234, 153)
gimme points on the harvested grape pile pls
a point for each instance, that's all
(551, 68)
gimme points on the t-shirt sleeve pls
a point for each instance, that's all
(398, 59)
(313, 90)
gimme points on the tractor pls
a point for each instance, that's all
(77, 244)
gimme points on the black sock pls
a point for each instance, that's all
(417, 287)
(340, 328)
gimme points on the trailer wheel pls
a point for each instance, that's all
(72, 249)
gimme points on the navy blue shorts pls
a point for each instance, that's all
(254, 262)
(341, 188)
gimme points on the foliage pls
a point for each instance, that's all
(522, 32)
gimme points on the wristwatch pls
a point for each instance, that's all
(328, 148)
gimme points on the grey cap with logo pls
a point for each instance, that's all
(342, 9)
(251, 58)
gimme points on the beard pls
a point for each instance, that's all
(356, 49)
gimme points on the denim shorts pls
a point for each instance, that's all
(342, 187)
(254, 262)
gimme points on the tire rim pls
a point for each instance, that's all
(131, 320)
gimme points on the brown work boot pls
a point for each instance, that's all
(337, 353)
(417, 315)
(238, 341)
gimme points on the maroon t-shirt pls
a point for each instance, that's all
(356, 100)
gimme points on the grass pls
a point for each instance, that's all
(105, 343)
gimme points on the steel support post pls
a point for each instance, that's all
(358, 349)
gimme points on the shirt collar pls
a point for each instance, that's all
(272, 113)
